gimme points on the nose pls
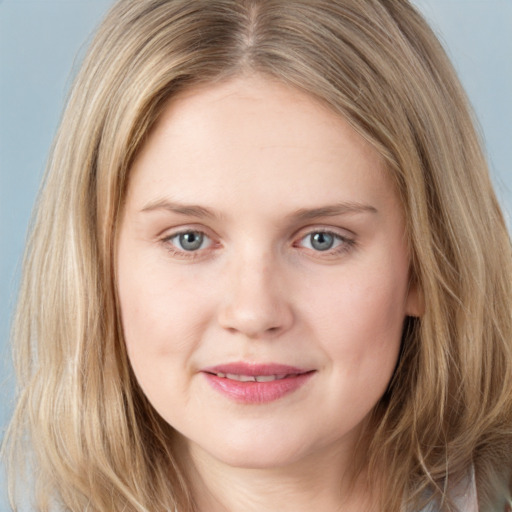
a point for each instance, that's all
(256, 302)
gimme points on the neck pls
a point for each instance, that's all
(324, 481)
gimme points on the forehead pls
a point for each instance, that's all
(257, 137)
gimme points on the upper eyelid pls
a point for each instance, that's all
(345, 237)
(172, 232)
(338, 231)
(340, 237)
(168, 235)
(326, 231)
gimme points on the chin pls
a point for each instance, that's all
(250, 459)
(258, 451)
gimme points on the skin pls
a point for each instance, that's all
(265, 166)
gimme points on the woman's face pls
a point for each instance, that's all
(263, 274)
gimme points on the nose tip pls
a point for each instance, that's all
(255, 305)
(252, 323)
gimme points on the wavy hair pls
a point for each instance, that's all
(92, 440)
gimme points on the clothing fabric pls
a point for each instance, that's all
(464, 496)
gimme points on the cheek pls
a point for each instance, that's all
(162, 312)
(360, 321)
(163, 322)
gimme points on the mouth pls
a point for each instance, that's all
(256, 383)
(252, 378)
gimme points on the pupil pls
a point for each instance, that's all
(191, 241)
(322, 241)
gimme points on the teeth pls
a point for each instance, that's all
(240, 378)
(245, 378)
(265, 378)
(251, 378)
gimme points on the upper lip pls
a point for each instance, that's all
(255, 369)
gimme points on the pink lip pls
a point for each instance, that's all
(290, 379)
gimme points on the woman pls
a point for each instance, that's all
(267, 271)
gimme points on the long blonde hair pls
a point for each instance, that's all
(93, 440)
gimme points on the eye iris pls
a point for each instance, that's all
(322, 241)
(191, 241)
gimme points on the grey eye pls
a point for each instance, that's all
(321, 241)
(189, 241)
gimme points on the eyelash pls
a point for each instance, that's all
(345, 244)
(183, 253)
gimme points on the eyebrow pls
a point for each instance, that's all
(190, 210)
(301, 214)
(333, 210)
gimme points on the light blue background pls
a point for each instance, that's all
(41, 42)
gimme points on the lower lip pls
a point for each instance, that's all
(257, 392)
